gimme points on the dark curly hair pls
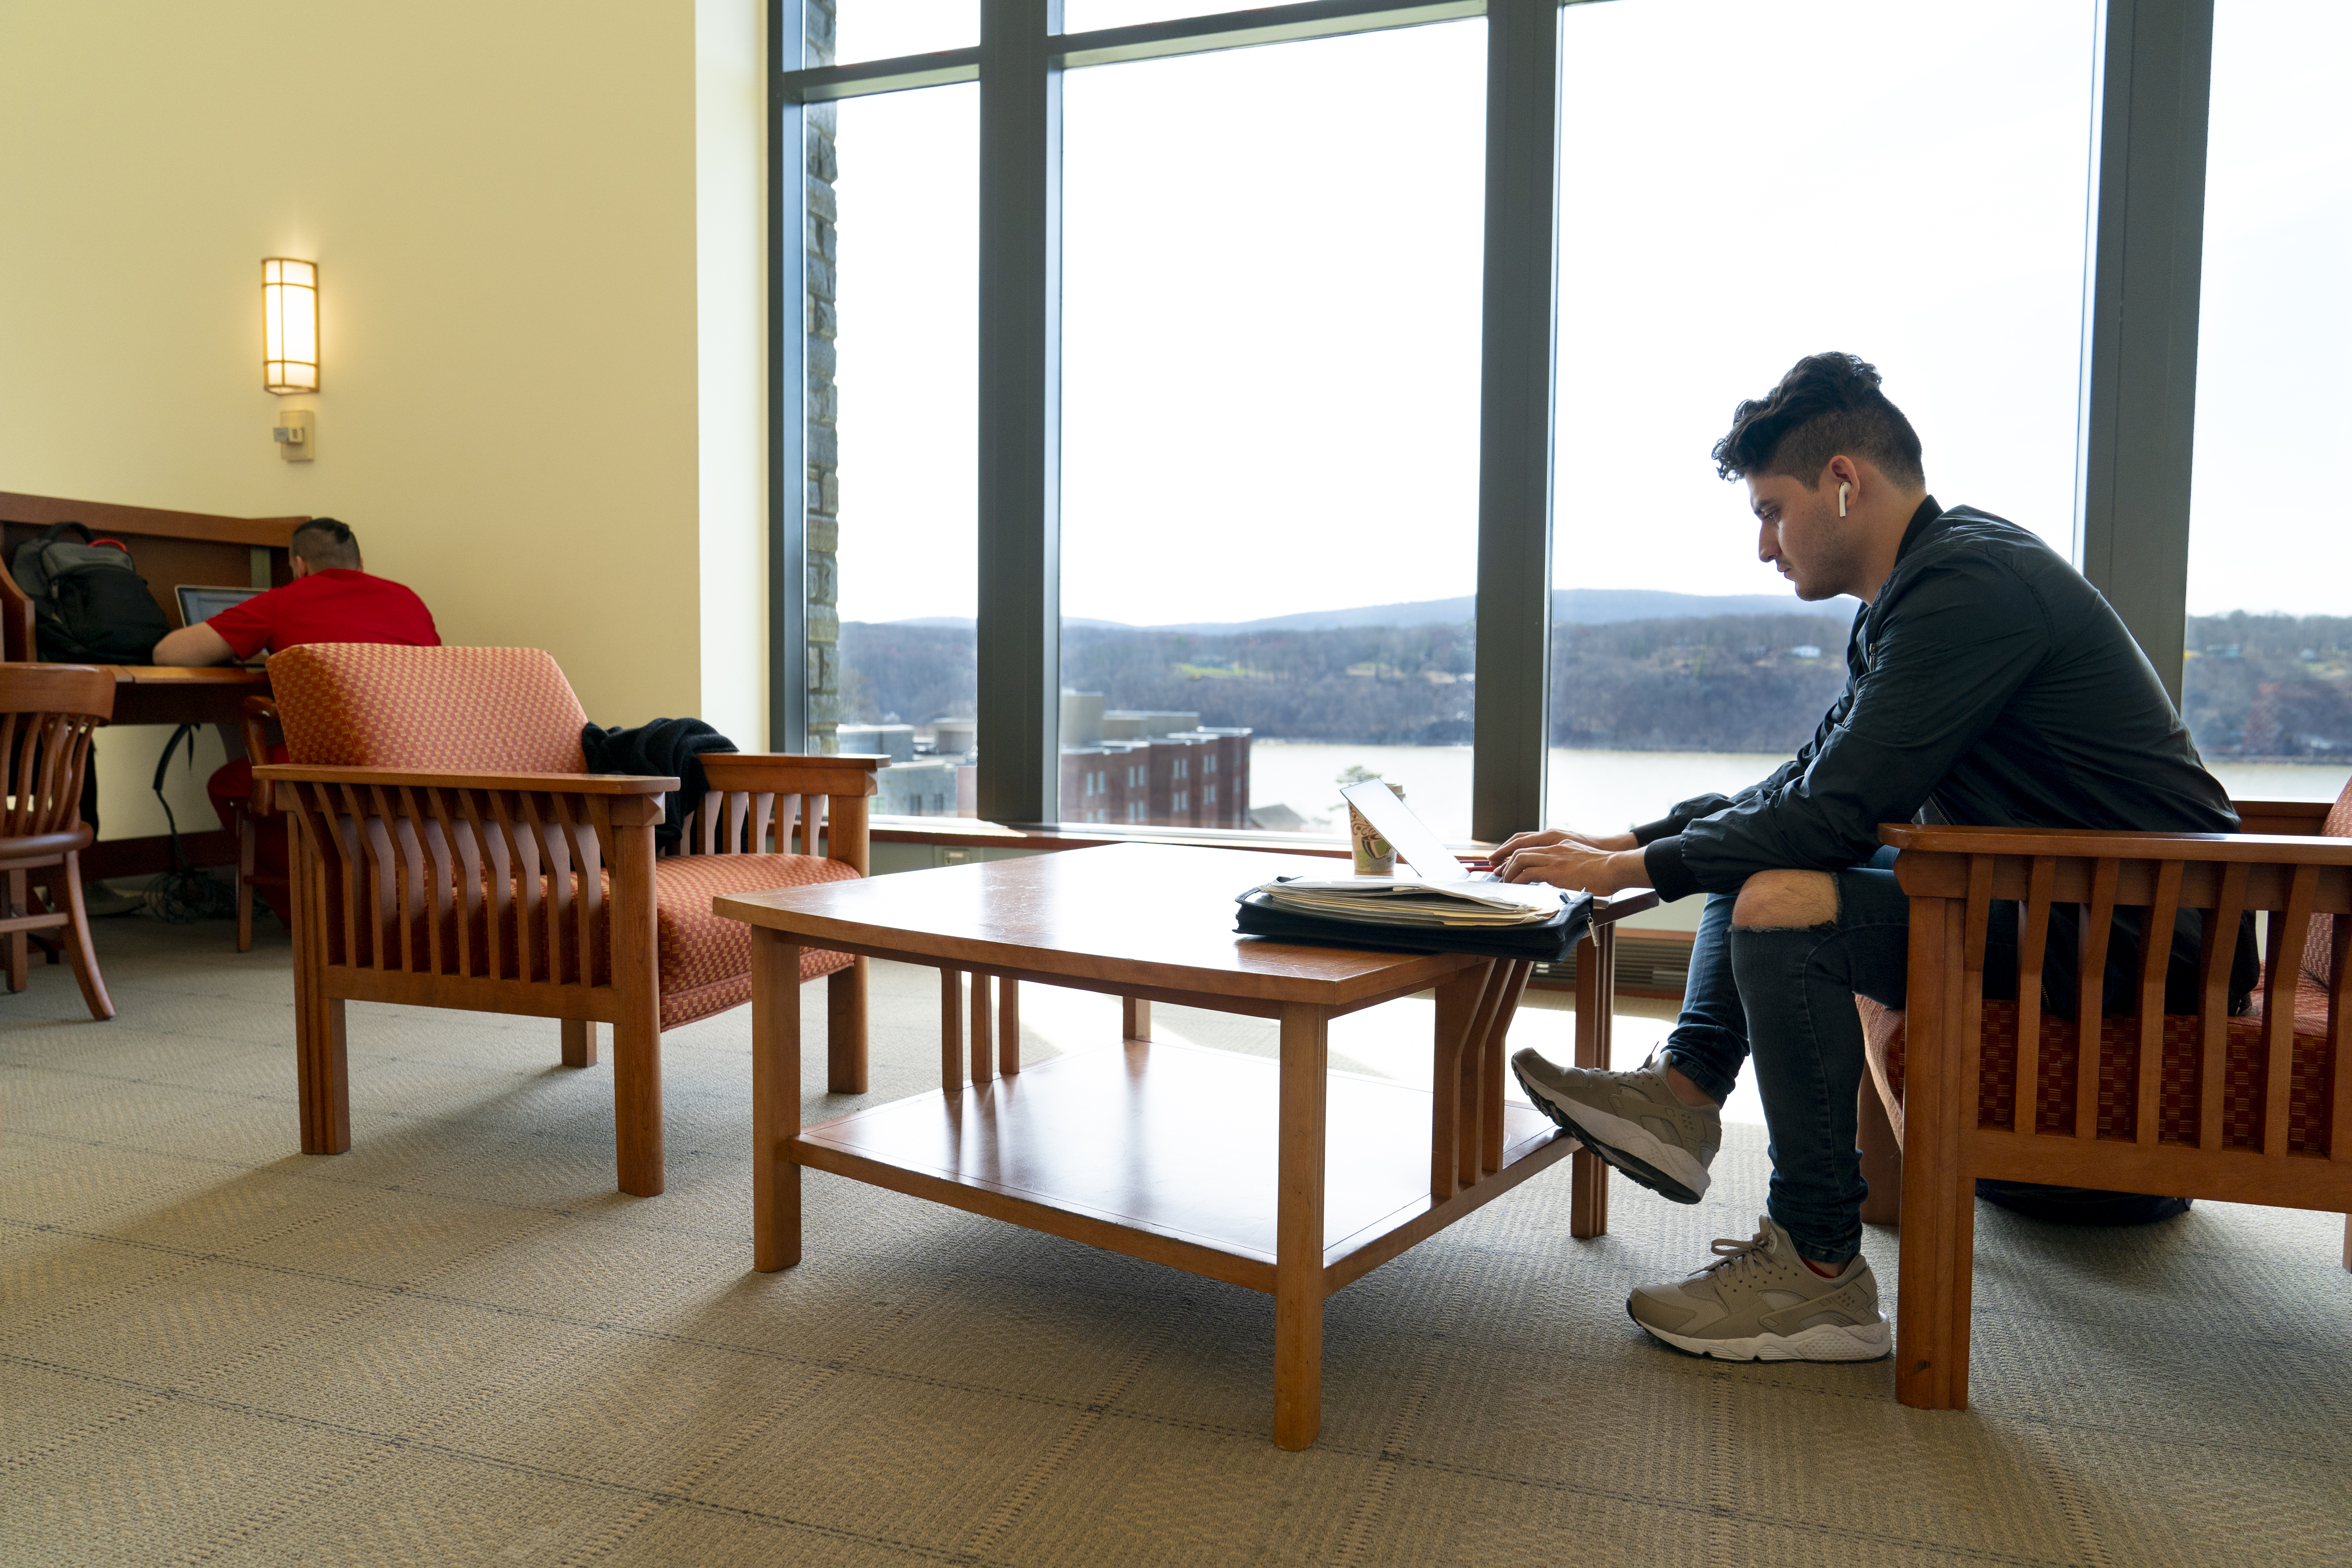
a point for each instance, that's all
(328, 542)
(1827, 403)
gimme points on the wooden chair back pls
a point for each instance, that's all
(2203, 1081)
(46, 714)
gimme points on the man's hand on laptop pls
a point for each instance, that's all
(1563, 857)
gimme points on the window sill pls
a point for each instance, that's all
(970, 833)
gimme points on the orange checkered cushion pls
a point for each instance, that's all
(430, 710)
(2180, 1085)
(706, 960)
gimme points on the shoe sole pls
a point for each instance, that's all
(1830, 1341)
(1605, 1135)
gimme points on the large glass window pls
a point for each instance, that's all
(1736, 193)
(2267, 686)
(1269, 430)
(885, 30)
(906, 376)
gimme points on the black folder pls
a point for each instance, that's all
(1550, 943)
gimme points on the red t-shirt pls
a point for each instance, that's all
(333, 605)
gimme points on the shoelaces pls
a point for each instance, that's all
(1734, 1254)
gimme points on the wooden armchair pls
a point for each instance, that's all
(47, 712)
(450, 850)
(2256, 1109)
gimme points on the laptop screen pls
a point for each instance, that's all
(201, 604)
(1395, 822)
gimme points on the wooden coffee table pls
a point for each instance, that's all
(1216, 1163)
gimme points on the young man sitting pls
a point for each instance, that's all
(1986, 683)
(332, 599)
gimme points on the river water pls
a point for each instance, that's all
(1609, 791)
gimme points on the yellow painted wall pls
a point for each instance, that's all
(502, 200)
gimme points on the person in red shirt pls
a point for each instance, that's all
(332, 599)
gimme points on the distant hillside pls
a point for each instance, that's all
(1570, 606)
(1742, 681)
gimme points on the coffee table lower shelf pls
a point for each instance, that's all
(1168, 1153)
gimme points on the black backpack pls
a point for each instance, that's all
(90, 604)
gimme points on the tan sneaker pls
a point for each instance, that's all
(1633, 1120)
(1757, 1302)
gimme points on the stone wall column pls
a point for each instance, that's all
(824, 525)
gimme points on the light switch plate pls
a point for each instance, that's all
(297, 435)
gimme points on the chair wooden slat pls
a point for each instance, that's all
(1976, 928)
(524, 854)
(2090, 1005)
(2032, 945)
(390, 822)
(2215, 962)
(365, 887)
(2155, 964)
(555, 900)
(461, 873)
(2278, 1008)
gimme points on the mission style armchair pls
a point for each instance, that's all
(2256, 1109)
(450, 849)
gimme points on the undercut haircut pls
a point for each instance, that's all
(327, 545)
(1828, 404)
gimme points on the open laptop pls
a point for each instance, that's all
(1394, 821)
(200, 603)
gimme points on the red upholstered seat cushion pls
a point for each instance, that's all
(706, 959)
(2179, 1095)
(429, 709)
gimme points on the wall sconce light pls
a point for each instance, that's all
(289, 325)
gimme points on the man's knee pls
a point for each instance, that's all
(1786, 899)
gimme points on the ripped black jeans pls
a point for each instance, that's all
(1785, 996)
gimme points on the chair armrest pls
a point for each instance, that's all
(2283, 817)
(779, 773)
(545, 784)
(2253, 848)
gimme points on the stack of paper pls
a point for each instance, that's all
(1411, 901)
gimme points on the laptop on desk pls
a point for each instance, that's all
(200, 601)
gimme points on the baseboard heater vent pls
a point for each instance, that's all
(1649, 964)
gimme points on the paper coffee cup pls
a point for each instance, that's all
(1374, 856)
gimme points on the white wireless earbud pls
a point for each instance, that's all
(1841, 489)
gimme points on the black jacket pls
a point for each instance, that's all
(665, 746)
(1987, 684)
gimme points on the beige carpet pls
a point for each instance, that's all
(457, 1344)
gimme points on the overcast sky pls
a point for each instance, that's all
(1271, 277)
